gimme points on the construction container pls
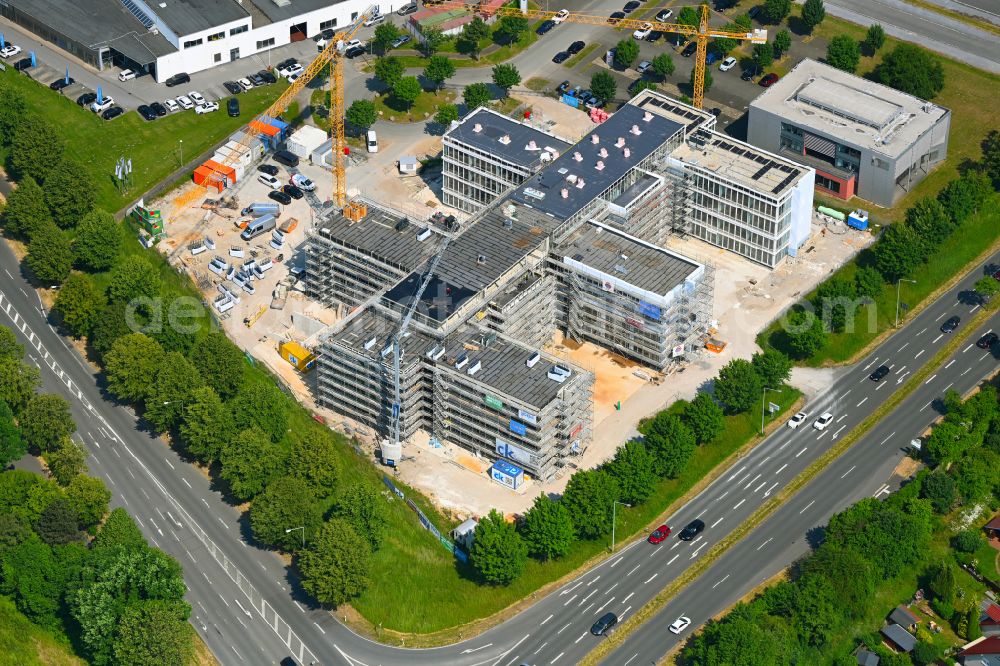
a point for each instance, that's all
(149, 220)
(288, 226)
(303, 359)
(206, 177)
(858, 219)
(269, 135)
(507, 474)
(305, 140)
(284, 129)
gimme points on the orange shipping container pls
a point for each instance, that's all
(225, 171)
(262, 128)
(206, 177)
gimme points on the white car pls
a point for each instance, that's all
(103, 105)
(245, 84)
(643, 31)
(680, 624)
(185, 102)
(269, 180)
(10, 50)
(354, 42)
(560, 16)
(797, 420)
(126, 75)
(171, 105)
(664, 15)
(303, 183)
(196, 97)
(822, 422)
(207, 107)
(374, 20)
(292, 78)
(727, 64)
(293, 70)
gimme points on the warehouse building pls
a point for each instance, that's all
(487, 153)
(863, 139)
(166, 37)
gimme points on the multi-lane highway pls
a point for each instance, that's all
(242, 599)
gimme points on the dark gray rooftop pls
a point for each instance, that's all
(493, 127)
(96, 23)
(543, 191)
(295, 8)
(186, 17)
(376, 235)
(647, 267)
(900, 636)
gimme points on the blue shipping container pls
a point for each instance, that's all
(507, 474)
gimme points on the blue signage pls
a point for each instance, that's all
(572, 100)
(518, 427)
(650, 310)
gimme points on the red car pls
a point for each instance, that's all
(660, 534)
(769, 80)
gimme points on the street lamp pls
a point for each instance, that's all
(900, 280)
(180, 143)
(763, 401)
(614, 506)
(303, 528)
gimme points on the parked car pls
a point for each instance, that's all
(654, 36)
(269, 180)
(126, 75)
(560, 16)
(644, 66)
(22, 64)
(659, 535)
(665, 15)
(354, 52)
(693, 529)
(950, 324)
(563, 87)
(823, 421)
(256, 79)
(769, 80)
(196, 97)
(245, 84)
(233, 107)
(292, 78)
(290, 159)
(293, 70)
(399, 41)
(371, 141)
(689, 49)
(288, 62)
(560, 57)
(178, 79)
(207, 107)
(680, 624)
(185, 102)
(280, 197)
(59, 84)
(642, 31)
(269, 169)
(576, 47)
(988, 341)
(631, 6)
(113, 112)
(545, 27)
(615, 17)
(268, 77)
(103, 105)
(158, 109)
(727, 64)
(292, 191)
(754, 12)
(606, 622)
(303, 183)
(797, 420)
(86, 99)
(748, 74)
(711, 57)
(232, 87)
(879, 374)
(10, 51)
(407, 9)
(377, 19)
(171, 105)
(146, 112)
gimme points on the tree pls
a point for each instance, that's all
(843, 53)
(626, 52)
(738, 386)
(206, 425)
(868, 282)
(775, 11)
(929, 219)
(220, 363)
(874, 38)
(385, 35)
(510, 28)
(13, 112)
(262, 405)
(133, 278)
(361, 113)
(835, 300)
(472, 36)
(763, 54)
(314, 460)
(547, 528)
(335, 566)
(946, 443)
(155, 632)
(939, 488)
(129, 366)
(987, 287)
(364, 508)
(389, 70)
(50, 255)
(57, 524)
(9, 346)
(407, 90)
(69, 193)
(32, 579)
(119, 531)
(975, 475)
(432, 41)
(704, 417)
(35, 150)
(439, 69)
(446, 114)
(175, 379)
(942, 583)
(635, 470)
(968, 541)
(587, 498)
(898, 250)
(990, 147)
(12, 446)
(89, 497)
(963, 196)
(782, 42)
(723, 45)
(688, 16)
(912, 70)
(603, 85)
(476, 95)
(670, 441)
(66, 460)
(115, 321)
(505, 77)
(26, 209)
(772, 366)
(249, 462)
(287, 503)
(79, 303)
(46, 421)
(498, 553)
(813, 13)
(707, 85)
(663, 65)
(17, 383)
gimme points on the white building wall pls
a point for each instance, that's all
(802, 204)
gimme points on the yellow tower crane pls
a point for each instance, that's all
(701, 33)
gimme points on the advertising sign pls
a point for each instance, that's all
(492, 402)
(650, 310)
(527, 416)
(508, 450)
(518, 427)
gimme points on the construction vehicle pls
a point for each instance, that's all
(701, 33)
(252, 319)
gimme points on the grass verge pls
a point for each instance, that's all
(766, 509)
(27, 644)
(425, 106)
(579, 57)
(969, 19)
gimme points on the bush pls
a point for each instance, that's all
(944, 610)
(968, 541)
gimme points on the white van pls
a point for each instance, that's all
(372, 141)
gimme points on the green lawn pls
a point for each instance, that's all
(26, 644)
(153, 146)
(423, 108)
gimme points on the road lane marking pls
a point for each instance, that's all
(615, 563)
(757, 489)
(584, 600)
(949, 386)
(720, 582)
(593, 581)
(976, 307)
(564, 627)
(579, 583)
(966, 370)
(845, 415)
(925, 406)
(882, 489)
(609, 601)
(887, 438)
(543, 621)
(717, 522)
(903, 347)
(848, 471)
(570, 600)
(673, 558)
(630, 659)
(871, 364)
(753, 481)
(650, 579)
(557, 658)
(736, 473)
(807, 507)
(950, 363)
(582, 636)
(224, 600)
(186, 482)
(767, 493)
(968, 348)
(929, 379)
(633, 570)
(781, 468)
(739, 504)
(804, 449)
(765, 543)
(168, 462)
(466, 651)
(628, 597)
(838, 431)
(918, 354)
(938, 338)
(322, 631)
(695, 553)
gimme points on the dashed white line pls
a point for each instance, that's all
(967, 348)
(557, 658)
(863, 401)
(929, 379)
(593, 581)
(950, 363)
(752, 481)
(321, 629)
(848, 471)
(717, 522)
(720, 582)
(918, 354)
(615, 563)
(765, 543)
(673, 558)
(739, 504)
(781, 468)
(633, 570)
(903, 347)
(838, 431)
(186, 482)
(223, 600)
(582, 636)
(650, 579)
(628, 597)
(938, 338)
(570, 600)
(887, 438)
(804, 449)
(169, 463)
(543, 621)
(807, 507)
